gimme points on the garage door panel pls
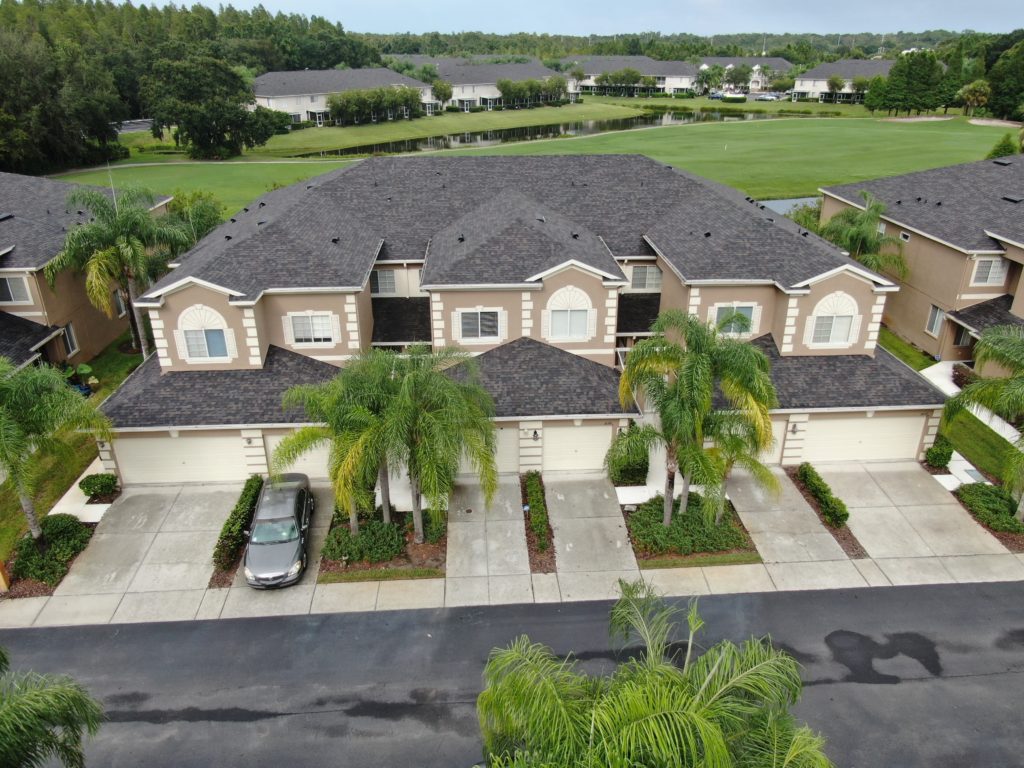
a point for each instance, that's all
(576, 449)
(882, 437)
(506, 455)
(774, 454)
(313, 463)
(183, 459)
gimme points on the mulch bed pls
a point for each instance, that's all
(425, 555)
(731, 517)
(30, 587)
(1012, 541)
(844, 535)
(104, 498)
(224, 579)
(541, 560)
(934, 470)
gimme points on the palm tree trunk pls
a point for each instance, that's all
(385, 490)
(1020, 508)
(28, 506)
(684, 495)
(417, 509)
(671, 467)
(353, 517)
(140, 329)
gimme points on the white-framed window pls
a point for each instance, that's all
(646, 278)
(569, 316)
(479, 325)
(119, 306)
(203, 336)
(989, 271)
(569, 323)
(881, 228)
(905, 237)
(70, 340)
(724, 312)
(962, 338)
(14, 290)
(834, 323)
(311, 329)
(382, 282)
(935, 318)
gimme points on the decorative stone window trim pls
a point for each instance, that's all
(837, 304)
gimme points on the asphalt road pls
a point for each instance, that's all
(899, 677)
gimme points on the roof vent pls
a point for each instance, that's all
(234, 221)
(938, 202)
(262, 204)
(707, 234)
(227, 237)
(919, 199)
(246, 210)
(771, 220)
(6, 216)
(261, 223)
(575, 235)
(805, 234)
(1003, 161)
(1007, 198)
(80, 212)
(899, 202)
(309, 186)
(462, 238)
(335, 240)
(541, 219)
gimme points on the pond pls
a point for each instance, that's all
(649, 119)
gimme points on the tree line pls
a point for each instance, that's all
(372, 104)
(550, 89)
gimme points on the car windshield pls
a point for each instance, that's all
(274, 531)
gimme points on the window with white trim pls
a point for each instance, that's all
(14, 290)
(729, 312)
(881, 228)
(569, 316)
(935, 318)
(835, 323)
(312, 329)
(569, 323)
(382, 282)
(70, 340)
(646, 278)
(832, 329)
(119, 306)
(989, 272)
(206, 343)
(962, 338)
(203, 336)
(479, 325)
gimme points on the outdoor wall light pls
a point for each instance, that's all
(793, 429)
(536, 435)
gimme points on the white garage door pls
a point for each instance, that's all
(506, 455)
(182, 459)
(859, 438)
(576, 449)
(312, 464)
(774, 454)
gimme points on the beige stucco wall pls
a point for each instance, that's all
(178, 302)
(364, 320)
(67, 302)
(674, 295)
(407, 281)
(869, 305)
(764, 297)
(272, 308)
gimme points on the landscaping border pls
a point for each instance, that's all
(843, 535)
(1013, 541)
(227, 552)
(539, 536)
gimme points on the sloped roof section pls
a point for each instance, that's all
(987, 314)
(774, 63)
(322, 81)
(20, 339)
(480, 70)
(849, 69)
(645, 65)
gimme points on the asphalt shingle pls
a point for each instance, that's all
(321, 81)
(21, 338)
(481, 70)
(988, 314)
(645, 65)
(849, 69)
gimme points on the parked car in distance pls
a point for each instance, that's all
(278, 548)
(715, 95)
(767, 97)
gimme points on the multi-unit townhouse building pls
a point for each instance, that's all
(303, 94)
(39, 322)
(813, 84)
(762, 68)
(546, 269)
(962, 229)
(670, 76)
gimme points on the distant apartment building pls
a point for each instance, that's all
(813, 84)
(762, 68)
(670, 76)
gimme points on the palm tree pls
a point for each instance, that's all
(1004, 396)
(114, 249)
(729, 706)
(856, 231)
(736, 443)
(678, 372)
(43, 717)
(36, 407)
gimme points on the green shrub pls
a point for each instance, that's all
(64, 536)
(377, 542)
(689, 532)
(452, 108)
(993, 506)
(232, 534)
(103, 484)
(435, 527)
(832, 509)
(622, 471)
(734, 99)
(538, 509)
(938, 456)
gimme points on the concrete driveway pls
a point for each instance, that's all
(914, 529)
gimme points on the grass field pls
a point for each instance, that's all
(904, 350)
(813, 107)
(780, 158)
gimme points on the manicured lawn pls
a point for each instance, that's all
(787, 158)
(904, 350)
(58, 473)
(978, 443)
(813, 107)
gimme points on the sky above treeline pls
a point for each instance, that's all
(700, 17)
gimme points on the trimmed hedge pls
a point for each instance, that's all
(689, 532)
(64, 536)
(101, 484)
(832, 509)
(376, 542)
(938, 456)
(992, 506)
(538, 508)
(232, 535)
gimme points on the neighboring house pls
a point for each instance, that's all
(474, 80)
(303, 93)
(670, 76)
(34, 219)
(813, 84)
(762, 68)
(962, 229)
(547, 269)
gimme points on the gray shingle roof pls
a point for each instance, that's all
(637, 312)
(774, 63)
(20, 338)
(849, 69)
(148, 398)
(477, 70)
(400, 321)
(509, 239)
(530, 378)
(596, 65)
(39, 221)
(987, 314)
(846, 381)
(956, 204)
(319, 81)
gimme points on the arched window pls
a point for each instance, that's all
(203, 336)
(835, 322)
(570, 316)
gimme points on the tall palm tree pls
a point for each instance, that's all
(113, 250)
(43, 718)
(1004, 396)
(855, 230)
(36, 408)
(678, 372)
(726, 707)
